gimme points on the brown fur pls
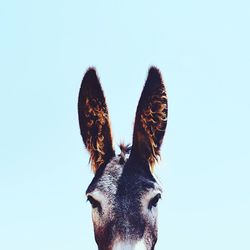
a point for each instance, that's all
(151, 119)
(94, 121)
(96, 116)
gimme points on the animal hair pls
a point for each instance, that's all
(125, 150)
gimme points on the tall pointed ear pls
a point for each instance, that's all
(94, 120)
(151, 119)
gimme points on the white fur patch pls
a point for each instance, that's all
(100, 197)
(129, 245)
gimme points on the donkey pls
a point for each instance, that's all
(124, 192)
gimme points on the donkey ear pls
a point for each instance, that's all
(151, 119)
(94, 120)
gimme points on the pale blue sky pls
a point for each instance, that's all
(202, 49)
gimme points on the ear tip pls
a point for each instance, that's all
(91, 71)
(154, 74)
(90, 77)
(153, 68)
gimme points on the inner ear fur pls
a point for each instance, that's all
(151, 119)
(94, 120)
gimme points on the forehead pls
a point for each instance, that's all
(122, 178)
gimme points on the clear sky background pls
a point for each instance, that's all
(202, 50)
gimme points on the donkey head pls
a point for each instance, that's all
(123, 193)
